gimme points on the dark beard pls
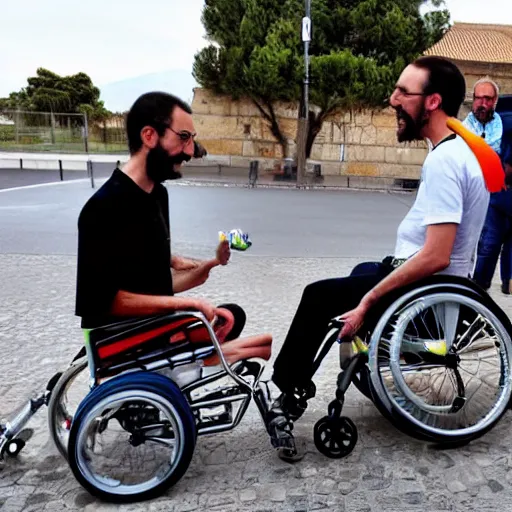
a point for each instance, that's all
(160, 165)
(483, 115)
(413, 127)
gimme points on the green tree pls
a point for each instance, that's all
(357, 50)
(48, 91)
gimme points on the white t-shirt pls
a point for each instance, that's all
(452, 190)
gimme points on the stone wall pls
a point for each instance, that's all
(500, 73)
(363, 144)
(360, 145)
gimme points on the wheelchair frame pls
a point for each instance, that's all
(13, 435)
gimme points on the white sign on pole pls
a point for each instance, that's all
(306, 29)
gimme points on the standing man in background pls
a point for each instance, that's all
(496, 234)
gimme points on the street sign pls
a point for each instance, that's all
(306, 29)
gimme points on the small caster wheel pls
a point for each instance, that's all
(335, 437)
(14, 447)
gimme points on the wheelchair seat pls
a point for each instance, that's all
(179, 338)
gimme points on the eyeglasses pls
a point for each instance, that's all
(185, 136)
(402, 91)
(488, 99)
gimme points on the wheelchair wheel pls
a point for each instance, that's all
(132, 438)
(440, 364)
(68, 392)
(335, 437)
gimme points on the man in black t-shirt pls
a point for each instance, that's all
(125, 267)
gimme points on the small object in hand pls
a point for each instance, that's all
(238, 240)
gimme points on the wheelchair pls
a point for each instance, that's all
(435, 361)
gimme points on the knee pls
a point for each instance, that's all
(237, 312)
(311, 291)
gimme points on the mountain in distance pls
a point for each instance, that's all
(119, 96)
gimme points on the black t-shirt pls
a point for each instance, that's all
(123, 244)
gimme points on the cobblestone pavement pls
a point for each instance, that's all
(236, 471)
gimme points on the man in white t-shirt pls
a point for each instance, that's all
(452, 192)
(438, 235)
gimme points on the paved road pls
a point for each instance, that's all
(15, 177)
(12, 177)
(298, 237)
(291, 223)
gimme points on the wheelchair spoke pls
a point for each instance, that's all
(470, 331)
(426, 327)
(169, 442)
(421, 366)
(473, 347)
(147, 428)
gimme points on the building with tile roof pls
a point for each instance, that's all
(479, 50)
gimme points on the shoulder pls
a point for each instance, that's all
(470, 118)
(452, 163)
(452, 154)
(102, 205)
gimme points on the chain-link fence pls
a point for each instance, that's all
(71, 133)
(107, 136)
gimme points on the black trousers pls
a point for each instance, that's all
(321, 301)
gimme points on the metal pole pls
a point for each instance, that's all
(91, 172)
(52, 126)
(302, 132)
(306, 65)
(17, 126)
(86, 134)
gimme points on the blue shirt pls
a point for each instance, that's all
(493, 129)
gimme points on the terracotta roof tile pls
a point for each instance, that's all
(477, 43)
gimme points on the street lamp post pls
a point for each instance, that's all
(302, 131)
(306, 37)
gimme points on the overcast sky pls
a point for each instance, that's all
(115, 39)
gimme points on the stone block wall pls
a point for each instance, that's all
(362, 144)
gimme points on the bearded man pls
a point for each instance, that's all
(483, 120)
(439, 235)
(125, 267)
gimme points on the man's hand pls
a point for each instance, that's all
(353, 321)
(204, 307)
(223, 252)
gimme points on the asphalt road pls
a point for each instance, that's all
(282, 223)
(11, 178)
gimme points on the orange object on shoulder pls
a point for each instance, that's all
(488, 159)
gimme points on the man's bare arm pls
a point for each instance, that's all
(183, 280)
(182, 263)
(222, 255)
(432, 258)
(135, 304)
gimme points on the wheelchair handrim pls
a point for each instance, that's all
(58, 412)
(383, 393)
(112, 401)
